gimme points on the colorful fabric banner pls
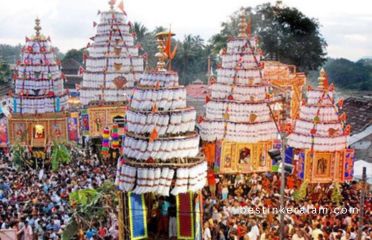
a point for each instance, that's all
(84, 122)
(58, 104)
(288, 155)
(14, 105)
(185, 216)
(73, 129)
(300, 165)
(3, 132)
(217, 162)
(137, 216)
(348, 164)
(198, 215)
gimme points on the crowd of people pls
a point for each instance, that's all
(247, 208)
(35, 203)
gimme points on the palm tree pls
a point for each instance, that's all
(141, 31)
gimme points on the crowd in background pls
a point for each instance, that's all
(227, 206)
(35, 204)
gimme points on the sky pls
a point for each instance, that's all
(346, 25)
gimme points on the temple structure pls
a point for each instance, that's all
(161, 150)
(318, 142)
(113, 67)
(285, 78)
(238, 129)
(161, 142)
(39, 100)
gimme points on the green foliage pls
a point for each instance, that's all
(18, 156)
(60, 155)
(300, 194)
(74, 54)
(5, 72)
(350, 75)
(89, 206)
(192, 55)
(336, 196)
(9, 53)
(286, 34)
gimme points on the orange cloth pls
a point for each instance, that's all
(210, 152)
(290, 182)
(211, 178)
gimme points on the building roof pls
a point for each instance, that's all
(70, 65)
(197, 90)
(359, 112)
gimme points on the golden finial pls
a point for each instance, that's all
(242, 24)
(111, 3)
(37, 27)
(161, 55)
(323, 80)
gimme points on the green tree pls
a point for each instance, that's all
(349, 75)
(285, 33)
(90, 206)
(336, 196)
(10, 54)
(300, 194)
(74, 54)
(5, 72)
(60, 155)
(18, 155)
(191, 59)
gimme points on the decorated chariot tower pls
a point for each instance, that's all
(318, 142)
(113, 67)
(39, 100)
(161, 147)
(238, 130)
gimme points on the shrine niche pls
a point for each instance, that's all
(104, 114)
(244, 157)
(40, 131)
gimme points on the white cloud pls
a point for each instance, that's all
(345, 24)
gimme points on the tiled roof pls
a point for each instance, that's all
(359, 112)
(197, 90)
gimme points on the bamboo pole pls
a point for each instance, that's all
(120, 215)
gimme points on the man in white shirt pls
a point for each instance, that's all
(316, 232)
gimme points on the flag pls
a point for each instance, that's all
(81, 71)
(168, 47)
(121, 7)
(342, 117)
(347, 130)
(153, 135)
